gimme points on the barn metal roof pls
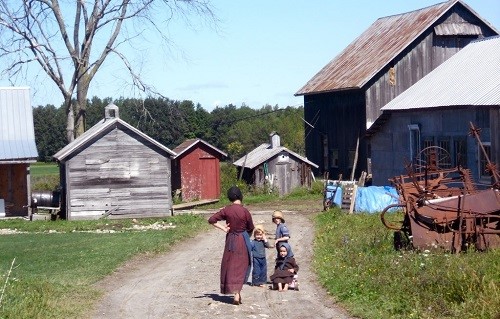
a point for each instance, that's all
(263, 153)
(103, 126)
(471, 77)
(17, 134)
(375, 48)
(187, 144)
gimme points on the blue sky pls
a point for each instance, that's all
(263, 52)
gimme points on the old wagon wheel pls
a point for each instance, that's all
(432, 159)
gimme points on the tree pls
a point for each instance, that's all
(71, 40)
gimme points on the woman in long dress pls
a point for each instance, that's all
(236, 261)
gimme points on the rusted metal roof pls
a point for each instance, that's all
(471, 77)
(265, 152)
(375, 48)
(104, 125)
(187, 144)
(17, 134)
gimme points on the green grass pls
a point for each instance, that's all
(44, 169)
(356, 262)
(54, 271)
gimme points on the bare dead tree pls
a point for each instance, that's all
(70, 41)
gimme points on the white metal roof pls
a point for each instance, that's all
(94, 131)
(471, 77)
(265, 152)
(17, 134)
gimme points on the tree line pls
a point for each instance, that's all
(235, 130)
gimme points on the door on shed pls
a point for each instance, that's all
(209, 182)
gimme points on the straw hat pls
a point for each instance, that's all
(278, 214)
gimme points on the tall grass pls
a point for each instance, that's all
(56, 264)
(356, 262)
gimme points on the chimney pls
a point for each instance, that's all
(111, 112)
(275, 140)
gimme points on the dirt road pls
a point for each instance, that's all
(184, 283)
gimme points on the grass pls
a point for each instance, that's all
(57, 263)
(357, 264)
(44, 176)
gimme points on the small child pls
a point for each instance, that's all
(259, 262)
(282, 232)
(286, 267)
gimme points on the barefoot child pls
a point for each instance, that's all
(286, 267)
(259, 262)
(282, 232)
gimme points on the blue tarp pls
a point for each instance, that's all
(373, 199)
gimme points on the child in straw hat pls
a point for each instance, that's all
(282, 232)
(259, 262)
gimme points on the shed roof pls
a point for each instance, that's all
(104, 125)
(190, 143)
(375, 48)
(17, 134)
(471, 77)
(265, 152)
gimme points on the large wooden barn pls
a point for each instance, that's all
(344, 98)
(115, 170)
(196, 170)
(436, 112)
(17, 150)
(276, 167)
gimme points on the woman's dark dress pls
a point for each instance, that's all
(281, 272)
(235, 260)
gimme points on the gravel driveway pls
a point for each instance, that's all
(184, 283)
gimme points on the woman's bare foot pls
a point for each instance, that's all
(285, 288)
(237, 299)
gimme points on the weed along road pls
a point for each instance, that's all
(184, 283)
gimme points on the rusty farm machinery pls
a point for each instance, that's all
(443, 207)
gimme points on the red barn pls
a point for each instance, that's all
(196, 170)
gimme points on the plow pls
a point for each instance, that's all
(443, 207)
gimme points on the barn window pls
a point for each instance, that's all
(444, 143)
(334, 158)
(414, 140)
(482, 160)
(460, 152)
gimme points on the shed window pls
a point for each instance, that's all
(414, 140)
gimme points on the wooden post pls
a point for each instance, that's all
(355, 160)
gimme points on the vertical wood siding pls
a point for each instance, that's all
(118, 172)
(14, 188)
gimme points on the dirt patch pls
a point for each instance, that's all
(184, 283)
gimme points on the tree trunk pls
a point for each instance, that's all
(70, 120)
(82, 89)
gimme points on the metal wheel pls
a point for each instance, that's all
(432, 159)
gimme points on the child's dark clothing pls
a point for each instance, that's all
(259, 262)
(281, 270)
(283, 264)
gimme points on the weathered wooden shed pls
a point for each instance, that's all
(17, 150)
(196, 170)
(436, 111)
(274, 166)
(344, 98)
(115, 170)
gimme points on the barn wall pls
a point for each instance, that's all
(200, 174)
(15, 188)
(341, 117)
(118, 173)
(391, 145)
(427, 53)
